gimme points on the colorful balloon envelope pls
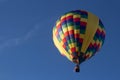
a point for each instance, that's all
(78, 35)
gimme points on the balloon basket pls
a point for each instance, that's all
(77, 69)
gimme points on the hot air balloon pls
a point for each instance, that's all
(78, 35)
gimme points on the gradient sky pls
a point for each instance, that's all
(27, 51)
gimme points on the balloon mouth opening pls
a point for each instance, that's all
(76, 60)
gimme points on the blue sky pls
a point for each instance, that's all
(27, 51)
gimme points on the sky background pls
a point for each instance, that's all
(27, 51)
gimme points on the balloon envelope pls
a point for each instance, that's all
(78, 35)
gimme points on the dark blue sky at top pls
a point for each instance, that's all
(27, 51)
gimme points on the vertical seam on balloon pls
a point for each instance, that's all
(68, 35)
(91, 36)
(64, 35)
(77, 35)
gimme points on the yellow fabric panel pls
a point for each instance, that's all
(76, 16)
(62, 36)
(71, 45)
(55, 30)
(61, 43)
(100, 44)
(69, 14)
(58, 23)
(65, 30)
(89, 54)
(90, 31)
(63, 17)
(100, 28)
(83, 19)
(70, 51)
(70, 28)
(77, 31)
(97, 41)
(61, 49)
